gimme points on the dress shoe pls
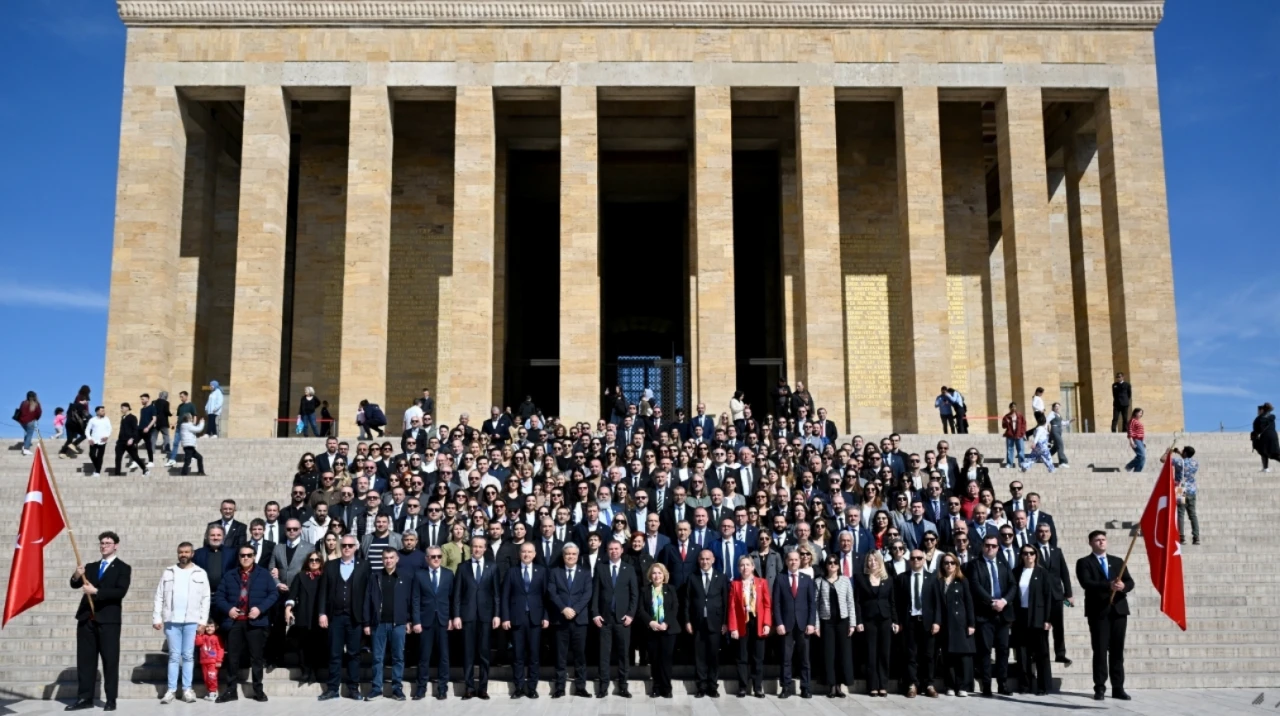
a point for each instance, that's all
(517, 694)
(260, 697)
(468, 695)
(1004, 690)
(624, 692)
(80, 705)
(227, 697)
(759, 693)
(484, 695)
(1064, 661)
(557, 693)
(1123, 696)
(1099, 696)
(442, 694)
(701, 694)
(806, 694)
(602, 691)
(742, 692)
(354, 695)
(328, 695)
(931, 692)
(109, 706)
(581, 691)
(784, 695)
(531, 692)
(986, 691)
(714, 693)
(1040, 692)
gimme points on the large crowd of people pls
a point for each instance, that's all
(707, 541)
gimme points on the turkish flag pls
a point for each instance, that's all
(41, 523)
(1164, 549)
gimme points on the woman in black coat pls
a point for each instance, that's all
(956, 636)
(660, 618)
(305, 637)
(1032, 602)
(1264, 437)
(873, 591)
(638, 557)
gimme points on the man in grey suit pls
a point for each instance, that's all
(287, 560)
(913, 529)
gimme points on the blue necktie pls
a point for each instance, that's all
(1105, 572)
(102, 568)
(435, 580)
(995, 580)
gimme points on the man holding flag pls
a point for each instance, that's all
(1105, 583)
(105, 584)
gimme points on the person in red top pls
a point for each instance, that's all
(750, 622)
(28, 416)
(1015, 435)
(209, 646)
(1137, 438)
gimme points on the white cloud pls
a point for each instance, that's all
(1231, 391)
(13, 294)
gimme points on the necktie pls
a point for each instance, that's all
(1008, 557)
(658, 494)
(526, 578)
(995, 580)
(1032, 521)
(615, 574)
(1044, 550)
(475, 569)
(706, 582)
(684, 551)
(936, 511)
(546, 550)
(915, 592)
(102, 568)
(795, 586)
(571, 578)
(271, 534)
(847, 568)
(1101, 560)
(435, 579)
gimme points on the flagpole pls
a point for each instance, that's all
(66, 519)
(1133, 541)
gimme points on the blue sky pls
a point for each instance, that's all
(1219, 65)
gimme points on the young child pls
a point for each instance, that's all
(59, 422)
(209, 645)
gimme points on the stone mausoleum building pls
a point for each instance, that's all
(495, 198)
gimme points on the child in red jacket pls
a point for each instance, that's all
(211, 652)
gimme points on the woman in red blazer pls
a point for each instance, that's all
(750, 621)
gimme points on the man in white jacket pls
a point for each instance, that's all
(98, 432)
(181, 606)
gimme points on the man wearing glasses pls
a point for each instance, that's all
(920, 610)
(342, 589)
(430, 613)
(993, 589)
(106, 582)
(297, 508)
(245, 596)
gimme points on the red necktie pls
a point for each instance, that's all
(795, 586)
(684, 551)
(846, 565)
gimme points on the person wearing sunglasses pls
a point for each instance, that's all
(956, 637)
(919, 603)
(340, 604)
(305, 639)
(993, 593)
(1032, 606)
(245, 597)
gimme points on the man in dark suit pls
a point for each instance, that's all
(705, 606)
(590, 523)
(795, 619)
(324, 461)
(106, 583)
(263, 549)
(340, 602)
(548, 547)
(497, 427)
(1035, 518)
(727, 549)
(706, 422)
(614, 599)
(569, 592)
(1055, 563)
(475, 612)
(1099, 576)
(920, 611)
(524, 615)
(675, 511)
(993, 590)
(234, 531)
(245, 597)
(433, 532)
(743, 532)
(432, 619)
(935, 503)
(683, 556)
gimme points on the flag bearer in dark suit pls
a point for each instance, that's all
(569, 591)
(524, 615)
(614, 600)
(795, 619)
(1031, 606)
(475, 612)
(1099, 576)
(387, 608)
(432, 620)
(106, 582)
(705, 605)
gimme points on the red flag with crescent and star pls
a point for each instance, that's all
(41, 523)
(1164, 545)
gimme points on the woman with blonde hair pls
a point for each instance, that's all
(307, 408)
(658, 611)
(874, 591)
(456, 550)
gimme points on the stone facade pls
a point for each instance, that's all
(938, 223)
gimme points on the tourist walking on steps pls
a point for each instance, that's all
(1137, 438)
(1039, 446)
(1056, 422)
(28, 416)
(1015, 436)
(187, 433)
(213, 409)
(127, 441)
(946, 410)
(98, 432)
(78, 415)
(185, 409)
(1264, 436)
(163, 416)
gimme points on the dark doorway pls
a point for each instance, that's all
(533, 279)
(757, 272)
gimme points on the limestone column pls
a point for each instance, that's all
(580, 367)
(190, 294)
(1090, 291)
(1024, 220)
(1139, 266)
(820, 345)
(921, 215)
(466, 318)
(148, 232)
(362, 372)
(715, 359)
(260, 253)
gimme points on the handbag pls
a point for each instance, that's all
(297, 426)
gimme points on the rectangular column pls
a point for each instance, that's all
(1139, 265)
(1090, 291)
(362, 371)
(579, 255)
(466, 330)
(820, 360)
(715, 359)
(191, 292)
(148, 232)
(923, 235)
(1024, 219)
(260, 254)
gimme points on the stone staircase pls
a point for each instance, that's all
(1232, 598)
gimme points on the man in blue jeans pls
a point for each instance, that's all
(386, 613)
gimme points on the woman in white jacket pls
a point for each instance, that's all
(181, 606)
(187, 433)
